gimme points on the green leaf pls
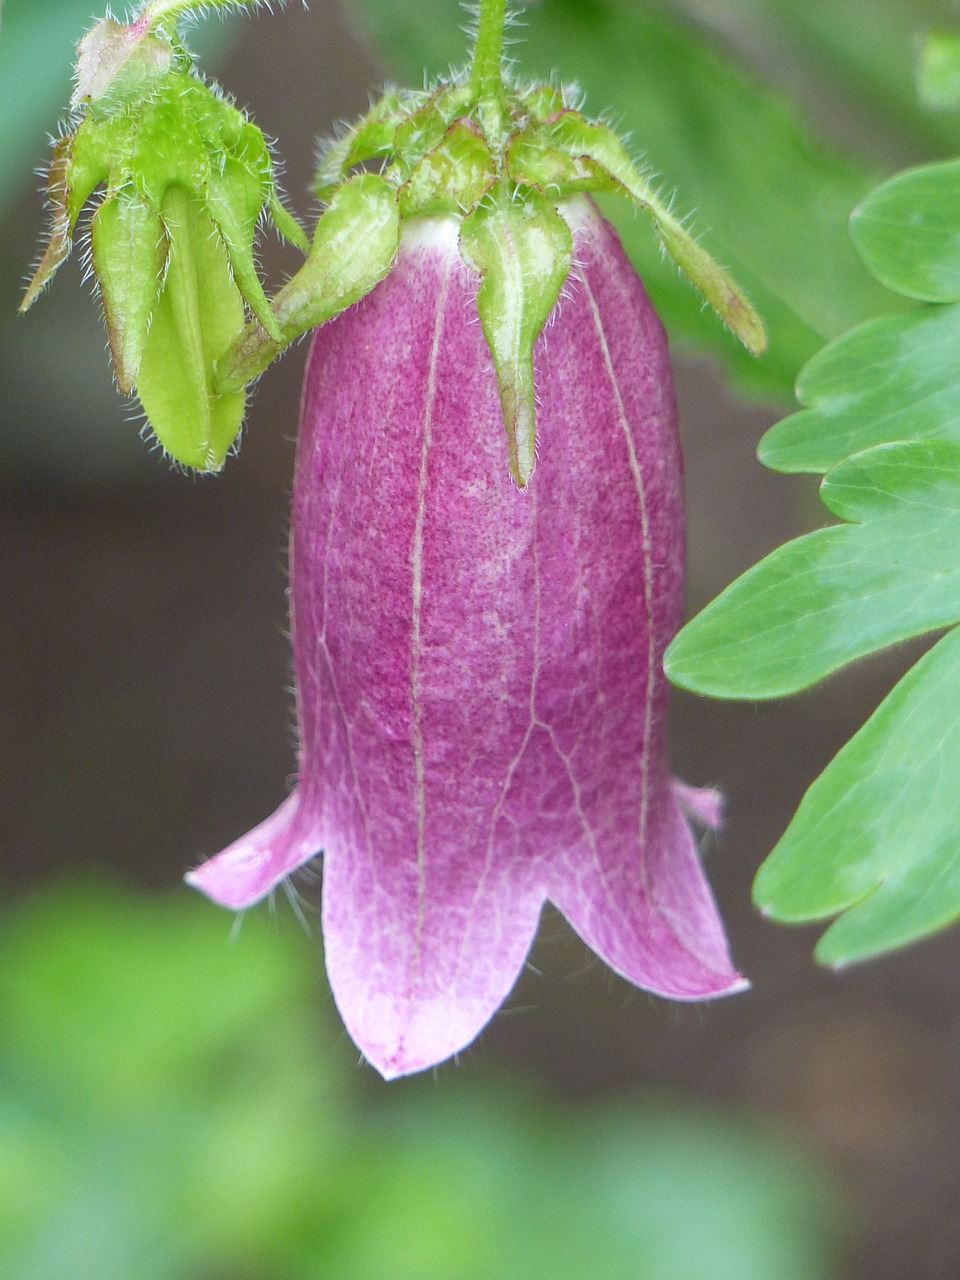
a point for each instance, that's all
(896, 378)
(907, 231)
(771, 201)
(877, 836)
(522, 251)
(840, 593)
(198, 315)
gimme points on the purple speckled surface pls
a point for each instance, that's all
(481, 704)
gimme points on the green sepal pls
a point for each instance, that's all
(96, 158)
(908, 234)
(79, 164)
(372, 138)
(542, 102)
(354, 247)
(423, 130)
(182, 134)
(60, 233)
(455, 176)
(190, 137)
(533, 161)
(285, 223)
(198, 315)
(579, 139)
(130, 248)
(234, 199)
(522, 249)
(250, 149)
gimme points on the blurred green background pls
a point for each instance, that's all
(177, 1098)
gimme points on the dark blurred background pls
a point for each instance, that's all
(147, 721)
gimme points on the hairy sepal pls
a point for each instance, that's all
(522, 249)
(353, 249)
(198, 313)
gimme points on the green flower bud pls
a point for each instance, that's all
(187, 179)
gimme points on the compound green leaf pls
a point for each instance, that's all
(908, 233)
(843, 592)
(895, 378)
(877, 836)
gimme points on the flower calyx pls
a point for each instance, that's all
(502, 165)
(186, 179)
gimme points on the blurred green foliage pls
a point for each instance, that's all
(173, 1106)
(863, 53)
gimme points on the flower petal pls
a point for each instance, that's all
(648, 912)
(252, 866)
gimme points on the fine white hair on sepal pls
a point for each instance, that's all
(298, 903)
(236, 924)
(471, 25)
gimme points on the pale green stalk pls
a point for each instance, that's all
(162, 11)
(486, 71)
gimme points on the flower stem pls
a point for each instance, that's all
(160, 12)
(486, 72)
